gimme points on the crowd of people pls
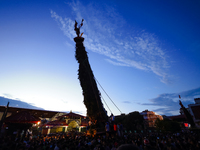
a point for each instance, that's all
(114, 138)
(185, 140)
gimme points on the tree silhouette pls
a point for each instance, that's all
(167, 125)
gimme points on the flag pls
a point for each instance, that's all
(179, 96)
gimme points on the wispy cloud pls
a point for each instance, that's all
(128, 102)
(169, 102)
(6, 95)
(107, 33)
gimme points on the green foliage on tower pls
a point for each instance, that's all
(92, 99)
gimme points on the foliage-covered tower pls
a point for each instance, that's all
(92, 100)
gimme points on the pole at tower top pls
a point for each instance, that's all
(77, 29)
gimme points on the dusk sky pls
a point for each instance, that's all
(144, 53)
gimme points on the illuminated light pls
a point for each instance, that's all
(186, 125)
(38, 122)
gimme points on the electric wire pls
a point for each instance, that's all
(106, 104)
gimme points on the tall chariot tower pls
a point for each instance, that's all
(92, 97)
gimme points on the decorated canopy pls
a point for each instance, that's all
(71, 115)
(22, 117)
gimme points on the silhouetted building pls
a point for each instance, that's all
(35, 112)
(194, 110)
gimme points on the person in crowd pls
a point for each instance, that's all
(121, 129)
(118, 129)
(107, 128)
(112, 118)
(115, 129)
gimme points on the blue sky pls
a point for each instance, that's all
(143, 53)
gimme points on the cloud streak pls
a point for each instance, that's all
(169, 102)
(107, 33)
(128, 102)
